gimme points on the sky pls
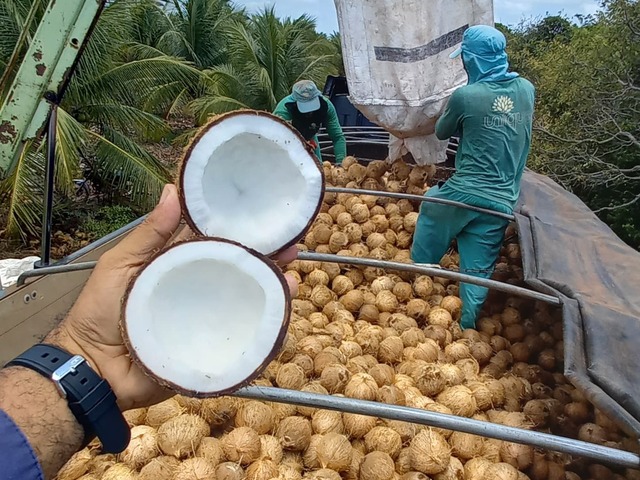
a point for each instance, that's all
(509, 12)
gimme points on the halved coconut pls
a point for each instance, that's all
(250, 177)
(206, 316)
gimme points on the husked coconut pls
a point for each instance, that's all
(242, 445)
(231, 181)
(120, 471)
(76, 466)
(161, 412)
(229, 471)
(465, 445)
(335, 452)
(429, 452)
(195, 469)
(256, 415)
(362, 386)
(322, 474)
(454, 471)
(327, 421)
(377, 466)
(142, 447)
(135, 416)
(383, 439)
(263, 469)
(294, 433)
(357, 426)
(181, 435)
(160, 468)
(211, 449)
(236, 300)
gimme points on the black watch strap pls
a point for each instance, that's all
(90, 397)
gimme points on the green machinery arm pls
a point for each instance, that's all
(44, 74)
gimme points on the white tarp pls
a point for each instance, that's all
(400, 76)
(12, 268)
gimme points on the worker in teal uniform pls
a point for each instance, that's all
(493, 115)
(308, 110)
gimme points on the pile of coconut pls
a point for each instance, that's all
(382, 336)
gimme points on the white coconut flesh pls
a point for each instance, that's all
(205, 316)
(250, 178)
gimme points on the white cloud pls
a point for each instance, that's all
(509, 12)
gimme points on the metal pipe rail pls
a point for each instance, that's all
(419, 198)
(437, 272)
(441, 420)
(366, 262)
(39, 272)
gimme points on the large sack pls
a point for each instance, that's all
(396, 55)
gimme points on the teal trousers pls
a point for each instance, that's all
(479, 237)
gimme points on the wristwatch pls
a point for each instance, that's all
(90, 397)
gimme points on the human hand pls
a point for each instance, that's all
(92, 329)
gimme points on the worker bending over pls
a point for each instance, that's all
(308, 110)
(493, 116)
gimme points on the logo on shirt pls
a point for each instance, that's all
(503, 104)
(503, 115)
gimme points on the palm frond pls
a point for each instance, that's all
(206, 106)
(130, 168)
(134, 80)
(137, 123)
(70, 141)
(22, 193)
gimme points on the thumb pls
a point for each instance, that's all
(155, 231)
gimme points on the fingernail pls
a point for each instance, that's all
(165, 194)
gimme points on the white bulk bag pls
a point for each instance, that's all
(400, 76)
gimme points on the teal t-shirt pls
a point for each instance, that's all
(494, 120)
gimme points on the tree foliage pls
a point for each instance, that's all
(587, 134)
(146, 62)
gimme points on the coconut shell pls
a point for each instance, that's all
(277, 345)
(120, 471)
(216, 121)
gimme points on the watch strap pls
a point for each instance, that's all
(90, 397)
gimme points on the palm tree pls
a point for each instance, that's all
(103, 116)
(267, 56)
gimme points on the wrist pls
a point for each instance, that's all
(64, 338)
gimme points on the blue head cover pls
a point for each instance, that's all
(484, 56)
